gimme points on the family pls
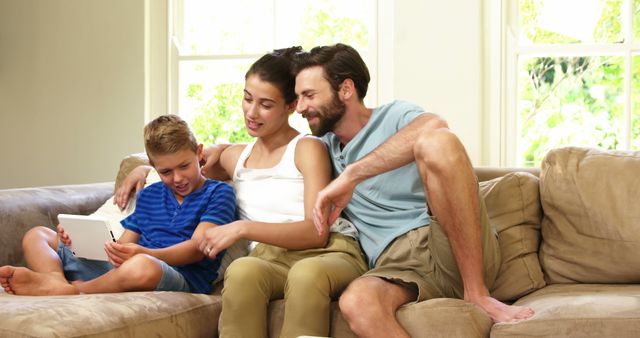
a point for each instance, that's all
(378, 209)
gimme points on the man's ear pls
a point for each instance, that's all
(347, 89)
(291, 107)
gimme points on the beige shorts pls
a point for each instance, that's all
(422, 260)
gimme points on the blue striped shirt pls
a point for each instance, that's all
(162, 222)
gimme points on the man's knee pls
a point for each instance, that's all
(439, 146)
(244, 269)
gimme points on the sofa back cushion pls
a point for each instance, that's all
(591, 224)
(513, 206)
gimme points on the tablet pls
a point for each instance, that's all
(88, 235)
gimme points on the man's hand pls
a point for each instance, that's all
(219, 238)
(120, 252)
(331, 201)
(63, 236)
(135, 180)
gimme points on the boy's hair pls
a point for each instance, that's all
(168, 134)
(276, 68)
(339, 62)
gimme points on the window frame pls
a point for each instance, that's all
(378, 50)
(503, 56)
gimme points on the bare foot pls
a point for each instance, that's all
(500, 312)
(22, 281)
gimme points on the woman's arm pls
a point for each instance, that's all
(312, 159)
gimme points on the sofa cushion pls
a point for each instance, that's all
(439, 317)
(578, 310)
(513, 207)
(126, 314)
(591, 226)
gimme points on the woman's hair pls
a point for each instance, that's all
(340, 62)
(276, 68)
(168, 134)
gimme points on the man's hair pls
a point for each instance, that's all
(339, 62)
(168, 134)
(276, 68)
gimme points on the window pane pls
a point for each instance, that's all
(636, 19)
(226, 27)
(635, 97)
(210, 99)
(570, 21)
(210, 91)
(569, 101)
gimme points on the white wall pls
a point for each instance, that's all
(75, 89)
(71, 89)
(438, 63)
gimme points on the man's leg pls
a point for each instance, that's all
(44, 273)
(452, 193)
(369, 305)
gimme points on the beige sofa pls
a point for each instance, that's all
(577, 264)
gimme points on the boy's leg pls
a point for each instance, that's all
(45, 274)
(40, 248)
(313, 282)
(139, 273)
(249, 284)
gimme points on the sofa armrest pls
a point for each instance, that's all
(22, 209)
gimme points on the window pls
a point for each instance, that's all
(572, 76)
(215, 42)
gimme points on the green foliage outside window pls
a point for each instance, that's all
(219, 117)
(573, 100)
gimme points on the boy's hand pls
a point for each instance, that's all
(219, 238)
(119, 252)
(63, 236)
(135, 180)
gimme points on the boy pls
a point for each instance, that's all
(159, 247)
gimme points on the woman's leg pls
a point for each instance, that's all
(312, 284)
(249, 284)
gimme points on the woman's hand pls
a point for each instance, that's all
(219, 238)
(134, 181)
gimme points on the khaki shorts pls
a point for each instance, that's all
(422, 260)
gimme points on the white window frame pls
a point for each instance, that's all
(380, 50)
(503, 53)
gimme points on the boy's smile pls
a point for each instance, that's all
(180, 171)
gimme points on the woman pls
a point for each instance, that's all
(276, 179)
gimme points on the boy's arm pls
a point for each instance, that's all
(185, 252)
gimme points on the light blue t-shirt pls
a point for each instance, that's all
(386, 206)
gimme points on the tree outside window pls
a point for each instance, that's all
(578, 75)
(217, 44)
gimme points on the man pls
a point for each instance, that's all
(390, 161)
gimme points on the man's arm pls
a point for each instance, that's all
(394, 153)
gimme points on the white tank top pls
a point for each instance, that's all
(275, 195)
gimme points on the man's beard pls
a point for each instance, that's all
(328, 117)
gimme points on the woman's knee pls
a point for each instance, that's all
(308, 275)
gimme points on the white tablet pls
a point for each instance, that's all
(88, 235)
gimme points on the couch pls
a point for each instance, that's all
(569, 233)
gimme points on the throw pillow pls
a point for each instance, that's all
(591, 225)
(513, 206)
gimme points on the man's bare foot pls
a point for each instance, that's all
(22, 281)
(500, 312)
